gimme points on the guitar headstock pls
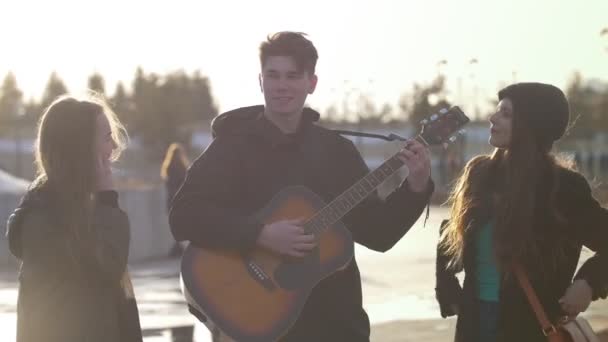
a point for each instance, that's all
(439, 128)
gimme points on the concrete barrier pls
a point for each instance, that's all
(150, 234)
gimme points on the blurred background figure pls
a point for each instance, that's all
(173, 172)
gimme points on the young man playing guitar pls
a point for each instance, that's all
(259, 150)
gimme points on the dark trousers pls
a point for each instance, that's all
(488, 321)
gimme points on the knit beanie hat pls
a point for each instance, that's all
(543, 106)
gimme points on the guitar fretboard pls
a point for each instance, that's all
(341, 205)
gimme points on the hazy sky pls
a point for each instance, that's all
(379, 47)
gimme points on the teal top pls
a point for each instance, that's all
(488, 277)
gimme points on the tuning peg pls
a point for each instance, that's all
(424, 122)
(453, 138)
(443, 111)
(462, 131)
(434, 117)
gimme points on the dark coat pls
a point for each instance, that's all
(72, 296)
(586, 225)
(247, 163)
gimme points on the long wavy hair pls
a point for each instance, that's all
(65, 159)
(511, 183)
(175, 161)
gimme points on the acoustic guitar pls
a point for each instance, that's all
(258, 296)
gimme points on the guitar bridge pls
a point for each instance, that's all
(259, 275)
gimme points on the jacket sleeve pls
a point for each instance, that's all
(202, 209)
(591, 223)
(43, 249)
(379, 224)
(111, 231)
(448, 291)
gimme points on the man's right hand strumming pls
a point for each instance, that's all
(287, 237)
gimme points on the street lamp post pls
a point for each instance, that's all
(472, 63)
(457, 156)
(440, 64)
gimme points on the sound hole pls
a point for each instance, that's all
(298, 273)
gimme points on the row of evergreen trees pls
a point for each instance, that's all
(160, 109)
(157, 109)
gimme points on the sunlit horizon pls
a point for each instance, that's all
(377, 48)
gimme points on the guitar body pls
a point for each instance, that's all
(257, 297)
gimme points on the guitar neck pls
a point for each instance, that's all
(336, 209)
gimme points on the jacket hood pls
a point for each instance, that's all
(242, 120)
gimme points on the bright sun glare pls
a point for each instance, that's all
(376, 48)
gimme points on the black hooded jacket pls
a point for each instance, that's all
(247, 163)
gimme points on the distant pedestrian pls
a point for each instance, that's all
(173, 173)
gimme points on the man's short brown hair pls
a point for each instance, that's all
(290, 44)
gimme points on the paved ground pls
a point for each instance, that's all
(398, 291)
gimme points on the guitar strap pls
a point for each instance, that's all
(312, 148)
(314, 156)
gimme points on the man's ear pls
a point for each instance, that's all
(260, 82)
(313, 83)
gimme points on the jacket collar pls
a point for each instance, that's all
(271, 133)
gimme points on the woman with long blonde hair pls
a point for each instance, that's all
(521, 208)
(173, 170)
(173, 173)
(70, 235)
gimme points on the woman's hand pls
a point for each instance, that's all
(577, 298)
(104, 174)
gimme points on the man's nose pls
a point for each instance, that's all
(282, 83)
